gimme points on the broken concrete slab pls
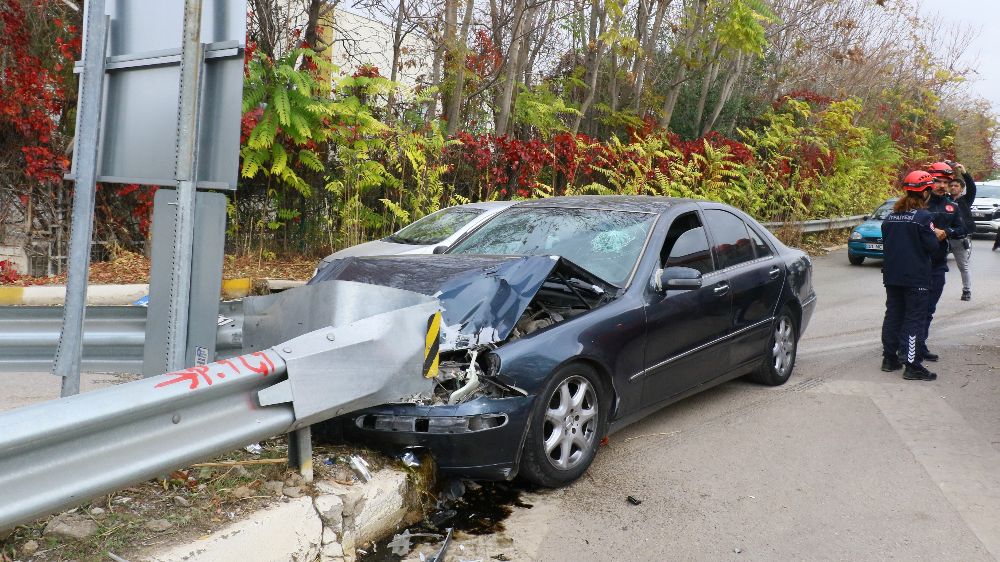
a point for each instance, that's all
(287, 531)
(327, 527)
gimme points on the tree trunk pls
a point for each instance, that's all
(597, 22)
(533, 56)
(710, 75)
(642, 60)
(725, 94)
(613, 82)
(455, 103)
(449, 46)
(680, 77)
(397, 47)
(512, 65)
(430, 110)
(312, 23)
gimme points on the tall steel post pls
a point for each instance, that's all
(85, 153)
(192, 61)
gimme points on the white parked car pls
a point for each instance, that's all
(441, 228)
(986, 207)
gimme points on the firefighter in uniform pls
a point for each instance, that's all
(909, 238)
(947, 217)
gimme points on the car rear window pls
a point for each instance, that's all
(435, 227)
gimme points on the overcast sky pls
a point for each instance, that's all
(981, 16)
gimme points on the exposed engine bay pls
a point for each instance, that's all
(467, 374)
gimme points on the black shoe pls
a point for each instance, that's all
(891, 364)
(966, 295)
(928, 356)
(918, 373)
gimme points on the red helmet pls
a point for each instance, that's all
(941, 169)
(918, 180)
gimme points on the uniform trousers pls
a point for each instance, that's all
(904, 328)
(934, 295)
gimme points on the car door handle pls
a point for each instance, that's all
(774, 273)
(721, 289)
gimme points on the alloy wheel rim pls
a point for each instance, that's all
(569, 429)
(783, 352)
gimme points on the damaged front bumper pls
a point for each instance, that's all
(479, 439)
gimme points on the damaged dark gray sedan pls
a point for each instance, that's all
(565, 319)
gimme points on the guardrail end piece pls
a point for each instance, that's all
(338, 369)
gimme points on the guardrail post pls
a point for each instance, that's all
(88, 134)
(300, 452)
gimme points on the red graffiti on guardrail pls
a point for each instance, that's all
(257, 362)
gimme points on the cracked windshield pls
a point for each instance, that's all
(605, 243)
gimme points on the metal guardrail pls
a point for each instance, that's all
(113, 337)
(64, 452)
(820, 225)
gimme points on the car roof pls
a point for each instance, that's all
(489, 205)
(633, 203)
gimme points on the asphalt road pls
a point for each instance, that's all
(844, 462)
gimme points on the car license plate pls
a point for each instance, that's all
(979, 214)
(873, 246)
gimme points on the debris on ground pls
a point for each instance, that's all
(633, 500)
(361, 468)
(74, 526)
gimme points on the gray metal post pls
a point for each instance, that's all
(300, 452)
(88, 130)
(192, 60)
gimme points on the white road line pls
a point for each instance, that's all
(874, 342)
(959, 459)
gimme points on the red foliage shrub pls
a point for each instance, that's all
(8, 275)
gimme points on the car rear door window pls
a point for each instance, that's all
(732, 240)
(760, 247)
(687, 245)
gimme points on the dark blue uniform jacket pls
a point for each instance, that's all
(948, 217)
(908, 243)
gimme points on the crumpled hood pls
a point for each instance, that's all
(482, 297)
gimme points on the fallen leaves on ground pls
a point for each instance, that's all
(129, 267)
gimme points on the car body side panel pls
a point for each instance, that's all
(610, 337)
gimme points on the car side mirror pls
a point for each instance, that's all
(678, 278)
(440, 249)
(866, 217)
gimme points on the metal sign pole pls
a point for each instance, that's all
(192, 60)
(88, 130)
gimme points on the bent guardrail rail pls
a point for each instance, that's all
(65, 452)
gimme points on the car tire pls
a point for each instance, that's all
(855, 259)
(779, 355)
(567, 424)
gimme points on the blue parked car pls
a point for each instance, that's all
(866, 238)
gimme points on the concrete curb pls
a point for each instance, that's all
(101, 295)
(104, 295)
(52, 295)
(327, 527)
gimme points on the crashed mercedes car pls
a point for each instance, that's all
(565, 319)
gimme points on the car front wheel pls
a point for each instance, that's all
(567, 424)
(779, 355)
(855, 259)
